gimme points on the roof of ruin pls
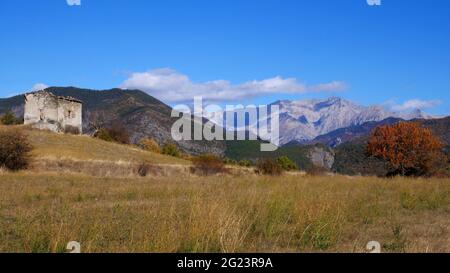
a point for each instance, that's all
(71, 99)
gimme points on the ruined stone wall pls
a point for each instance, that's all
(46, 111)
(41, 111)
(70, 114)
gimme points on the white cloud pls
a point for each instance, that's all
(74, 2)
(170, 86)
(414, 104)
(39, 87)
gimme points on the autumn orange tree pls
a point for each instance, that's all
(407, 148)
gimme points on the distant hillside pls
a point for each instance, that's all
(350, 155)
(141, 114)
(439, 127)
(344, 135)
(302, 121)
(145, 116)
(14, 103)
(305, 157)
(351, 159)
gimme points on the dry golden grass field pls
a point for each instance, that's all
(88, 190)
(51, 146)
(90, 156)
(42, 212)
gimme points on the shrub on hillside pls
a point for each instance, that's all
(407, 149)
(119, 133)
(208, 164)
(144, 169)
(287, 164)
(9, 119)
(171, 150)
(149, 144)
(115, 133)
(352, 159)
(103, 134)
(228, 161)
(245, 163)
(14, 150)
(269, 167)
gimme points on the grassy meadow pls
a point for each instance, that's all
(58, 147)
(84, 154)
(42, 212)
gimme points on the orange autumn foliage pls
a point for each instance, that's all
(407, 148)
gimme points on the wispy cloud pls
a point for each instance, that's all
(74, 2)
(412, 104)
(171, 86)
(39, 86)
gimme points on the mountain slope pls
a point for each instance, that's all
(344, 135)
(302, 121)
(351, 156)
(141, 114)
(439, 127)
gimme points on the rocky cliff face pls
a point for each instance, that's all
(322, 157)
(302, 121)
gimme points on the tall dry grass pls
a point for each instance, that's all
(52, 146)
(42, 212)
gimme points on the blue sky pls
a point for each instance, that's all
(248, 51)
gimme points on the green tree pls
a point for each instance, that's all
(9, 118)
(171, 149)
(286, 163)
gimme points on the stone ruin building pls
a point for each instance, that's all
(45, 111)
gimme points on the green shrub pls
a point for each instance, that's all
(269, 167)
(245, 163)
(228, 161)
(171, 150)
(14, 150)
(286, 163)
(398, 243)
(9, 119)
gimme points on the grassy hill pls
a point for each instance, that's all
(250, 150)
(84, 154)
(58, 146)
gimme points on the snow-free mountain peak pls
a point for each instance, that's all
(303, 120)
